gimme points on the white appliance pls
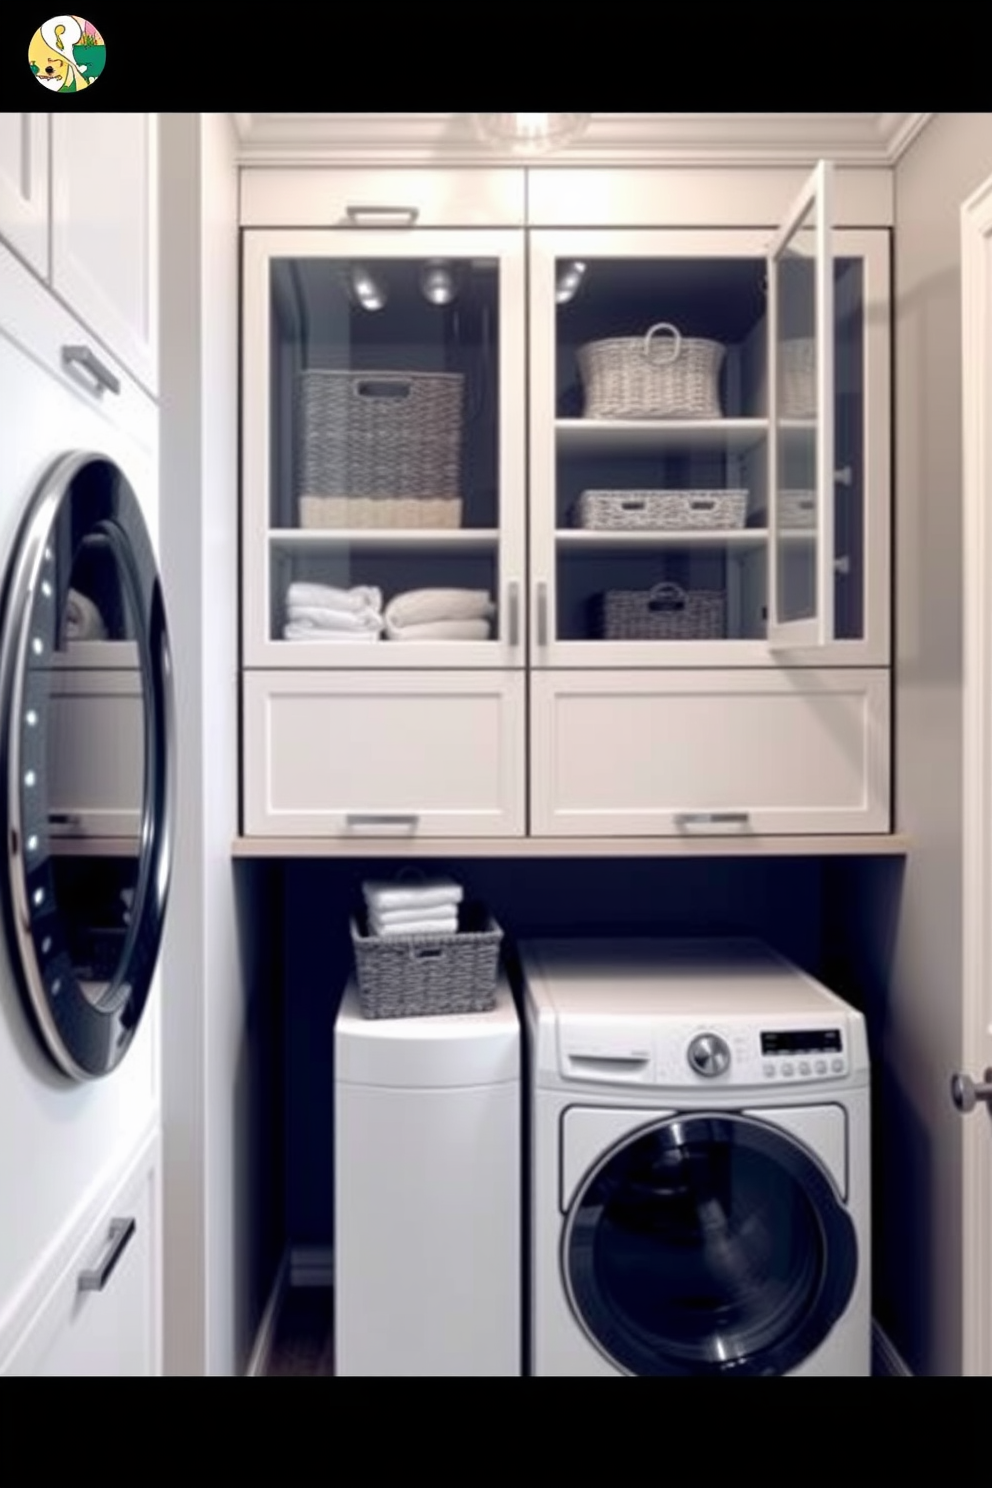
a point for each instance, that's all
(699, 1167)
(427, 1193)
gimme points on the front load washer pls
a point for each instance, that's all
(699, 1164)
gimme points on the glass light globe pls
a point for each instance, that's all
(531, 133)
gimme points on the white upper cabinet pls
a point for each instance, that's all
(24, 187)
(105, 231)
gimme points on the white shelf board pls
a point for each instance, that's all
(866, 845)
(384, 539)
(656, 436)
(743, 539)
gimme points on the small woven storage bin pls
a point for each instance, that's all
(797, 509)
(379, 442)
(797, 377)
(416, 976)
(643, 510)
(637, 377)
(665, 613)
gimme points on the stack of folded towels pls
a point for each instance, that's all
(318, 612)
(440, 615)
(429, 907)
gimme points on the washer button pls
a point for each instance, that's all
(837, 1065)
(821, 1066)
(769, 1072)
(804, 1067)
(787, 1070)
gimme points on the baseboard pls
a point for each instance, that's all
(311, 1265)
(258, 1361)
(885, 1357)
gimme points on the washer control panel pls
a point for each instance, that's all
(727, 1052)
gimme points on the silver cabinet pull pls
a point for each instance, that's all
(81, 356)
(119, 1237)
(712, 818)
(372, 819)
(372, 216)
(513, 613)
(966, 1094)
(542, 613)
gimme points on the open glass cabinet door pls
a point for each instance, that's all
(801, 411)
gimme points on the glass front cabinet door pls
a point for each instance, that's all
(383, 406)
(709, 445)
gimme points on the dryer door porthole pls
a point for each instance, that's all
(708, 1244)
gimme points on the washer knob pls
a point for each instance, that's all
(709, 1055)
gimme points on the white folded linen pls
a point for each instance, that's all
(325, 596)
(82, 620)
(298, 631)
(440, 630)
(421, 606)
(410, 916)
(390, 895)
(446, 924)
(324, 619)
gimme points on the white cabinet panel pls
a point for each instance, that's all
(101, 1313)
(736, 753)
(382, 198)
(398, 755)
(97, 792)
(104, 231)
(24, 187)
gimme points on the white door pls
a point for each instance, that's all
(24, 187)
(972, 1086)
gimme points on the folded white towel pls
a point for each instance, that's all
(422, 606)
(325, 619)
(325, 596)
(82, 619)
(410, 916)
(429, 925)
(382, 896)
(298, 631)
(440, 630)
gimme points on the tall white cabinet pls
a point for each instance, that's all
(80, 1257)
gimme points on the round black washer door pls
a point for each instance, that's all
(708, 1244)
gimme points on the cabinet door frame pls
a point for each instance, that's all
(507, 648)
(24, 200)
(870, 246)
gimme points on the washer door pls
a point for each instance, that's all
(708, 1244)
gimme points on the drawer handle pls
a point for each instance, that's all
(103, 378)
(382, 216)
(120, 1235)
(513, 612)
(712, 818)
(542, 613)
(359, 819)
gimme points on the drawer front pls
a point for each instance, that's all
(97, 791)
(382, 198)
(101, 1311)
(732, 753)
(395, 755)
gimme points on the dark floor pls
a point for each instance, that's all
(304, 1337)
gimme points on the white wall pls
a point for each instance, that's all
(918, 1178)
(207, 1299)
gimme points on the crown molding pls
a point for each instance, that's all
(611, 139)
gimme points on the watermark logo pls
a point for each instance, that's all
(67, 53)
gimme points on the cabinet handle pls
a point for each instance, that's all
(382, 216)
(542, 613)
(712, 818)
(513, 613)
(119, 1237)
(360, 819)
(81, 356)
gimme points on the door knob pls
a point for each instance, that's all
(966, 1094)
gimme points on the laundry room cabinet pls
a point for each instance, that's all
(662, 452)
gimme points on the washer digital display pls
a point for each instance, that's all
(804, 1041)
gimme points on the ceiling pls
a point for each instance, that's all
(611, 139)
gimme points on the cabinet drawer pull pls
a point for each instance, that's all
(119, 1237)
(382, 216)
(372, 819)
(513, 613)
(712, 818)
(81, 356)
(542, 613)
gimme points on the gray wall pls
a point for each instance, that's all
(919, 1241)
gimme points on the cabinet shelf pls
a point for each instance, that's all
(741, 540)
(868, 845)
(384, 539)
(655, 436)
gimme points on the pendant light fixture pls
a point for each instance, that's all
(530, 134)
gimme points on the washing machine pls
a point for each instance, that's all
(699, 1162)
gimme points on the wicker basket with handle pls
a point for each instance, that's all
(666, 612)
(415, 976)
(616, 511)
(639, 377)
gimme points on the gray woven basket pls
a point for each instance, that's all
(380, 434)
(636, 377)
(415, 976)
(617, 511)
(665, 613)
